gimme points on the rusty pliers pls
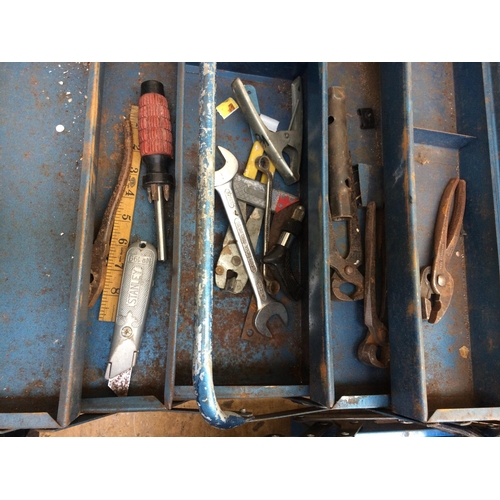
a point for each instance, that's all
(436, 282)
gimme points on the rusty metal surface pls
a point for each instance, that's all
(446, 344)
(40, 172)
(121, 89)
(434, 95)
(362, 89)
(235, 361)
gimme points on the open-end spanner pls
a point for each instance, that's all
(266, 306)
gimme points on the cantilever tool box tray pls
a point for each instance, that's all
(433, 121)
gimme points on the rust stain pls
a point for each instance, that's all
(411, 310)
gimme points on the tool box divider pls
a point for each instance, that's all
(71, 386)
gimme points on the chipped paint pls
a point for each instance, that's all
(202, 353)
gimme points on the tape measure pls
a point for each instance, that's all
(122, 229)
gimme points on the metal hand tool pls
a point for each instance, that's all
(278, 258)
(339, 160)
(264, 166)
(279, 223)
(283, 141)
(436, 282)
(345, 269)
(135, 295)
(230, 274)
(342, 200)
(100, 249)
(374, 349)
(156, 146)
(254, 193)
(266, 306)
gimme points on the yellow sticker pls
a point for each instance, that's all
(227, 107)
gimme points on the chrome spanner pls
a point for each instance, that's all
(266, 306)
(230, 274)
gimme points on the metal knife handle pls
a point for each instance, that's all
(339, 161)
(242, 238)
(135, 295)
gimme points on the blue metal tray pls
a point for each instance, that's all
(435, 120)
(440, 121)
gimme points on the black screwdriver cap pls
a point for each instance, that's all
(152, 87)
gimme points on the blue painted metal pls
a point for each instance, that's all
(474, 113)
(440, 139)
(202, 354)
(455, 378)
(177, 242)
(120, 404)
(39, 173)
(371, 184)
(431, 112)
(69, 401)
(121, 89)
(362, 84)
(408, 388)
(321, 333)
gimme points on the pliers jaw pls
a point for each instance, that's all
(435, 305)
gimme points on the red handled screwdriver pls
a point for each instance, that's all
(157, 151)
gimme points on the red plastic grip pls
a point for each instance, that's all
(155, 129)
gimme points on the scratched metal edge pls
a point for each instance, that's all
(408, 383)
(477, 114)
(121, 404)
(465, 415)
(365, 402)
(321, 370)
(186, 392)
(177, 241)
(72, 372)
(36, 420)
(202, 374)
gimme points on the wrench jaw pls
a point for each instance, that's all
(263, 315)
(229, 170)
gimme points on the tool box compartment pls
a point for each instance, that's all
(314, 355)
(432, 122)
(440, 122)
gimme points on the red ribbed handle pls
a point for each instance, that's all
(155, 129)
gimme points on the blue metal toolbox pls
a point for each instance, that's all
(432, 122)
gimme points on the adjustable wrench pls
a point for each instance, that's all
(266, 306)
